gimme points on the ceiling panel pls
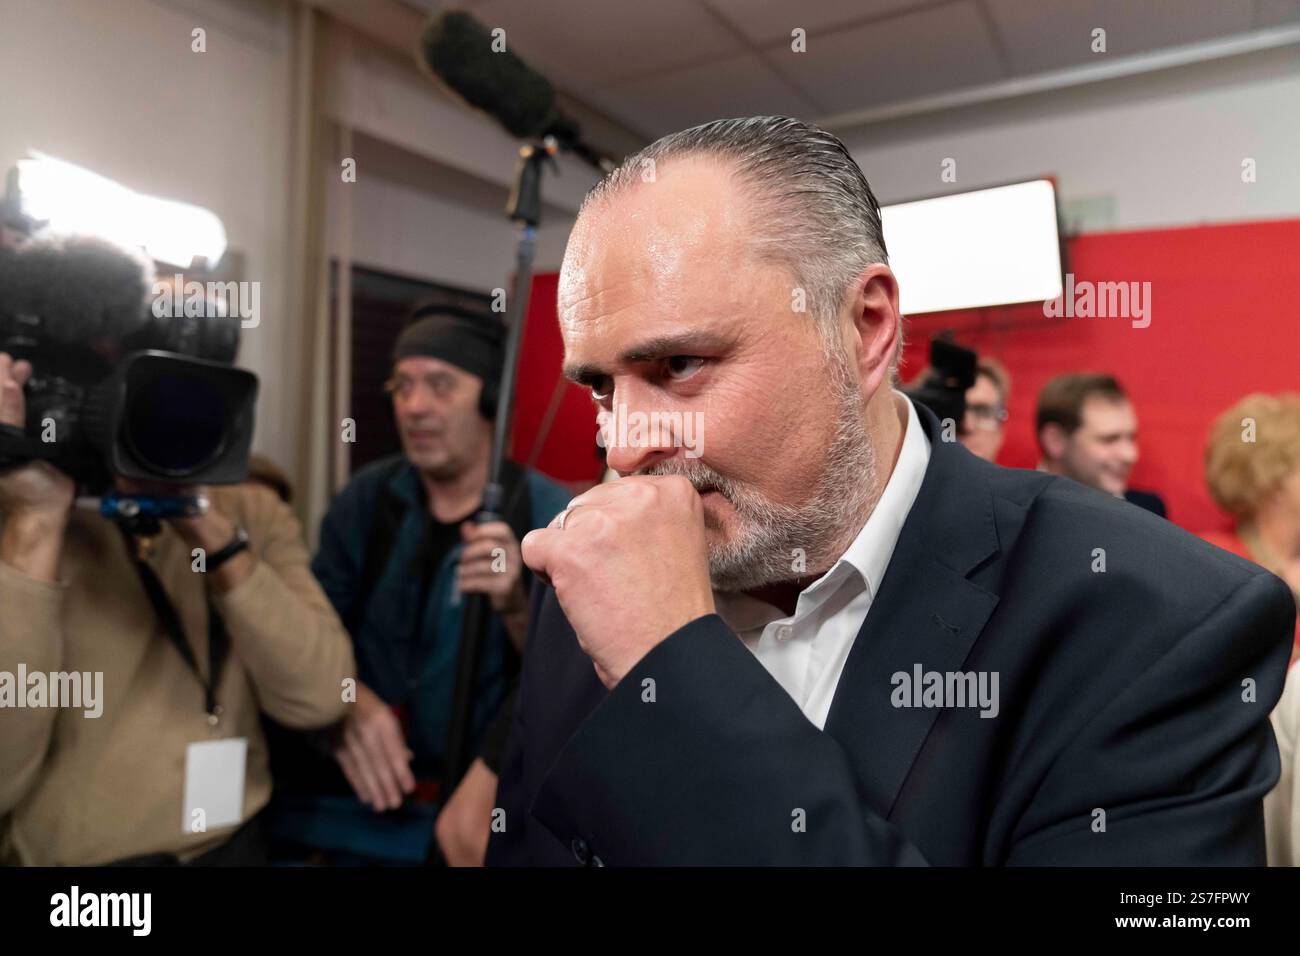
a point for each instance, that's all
(901, 58)
(659, 65)
(1050, 34)
(766, 21)
(586, 44)
(1278, 13)
(737, 86)
(433, 6)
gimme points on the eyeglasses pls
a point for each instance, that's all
(402, 386)
(989, 417)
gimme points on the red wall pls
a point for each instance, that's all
(568, 451)
(1225, 321)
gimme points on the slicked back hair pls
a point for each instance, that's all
(814, 210)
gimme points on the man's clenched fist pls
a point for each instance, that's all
(630, 566)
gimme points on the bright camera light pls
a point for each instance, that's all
(75, 201)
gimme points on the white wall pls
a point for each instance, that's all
(1155, 150)
(432, 176)
(418, 218)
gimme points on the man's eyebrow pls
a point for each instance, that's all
(585, 374)
(662, 346)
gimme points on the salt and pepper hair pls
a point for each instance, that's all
(814, 211)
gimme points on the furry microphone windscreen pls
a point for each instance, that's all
(458, 50)
(77, 286)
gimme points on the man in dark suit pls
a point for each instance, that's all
(828, 635)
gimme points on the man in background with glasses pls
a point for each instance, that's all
(398, 550)
(983, 428)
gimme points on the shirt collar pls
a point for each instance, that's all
(871, 550)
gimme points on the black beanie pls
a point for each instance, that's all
(471, 342)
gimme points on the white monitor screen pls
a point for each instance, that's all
(968, 250)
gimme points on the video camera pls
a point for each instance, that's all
(117, 388)
(943, 389)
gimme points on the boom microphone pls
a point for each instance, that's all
(457, 50)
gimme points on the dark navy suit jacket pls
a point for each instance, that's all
(1132, 726)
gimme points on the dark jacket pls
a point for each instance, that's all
(406, 637)
(1132, 727)
(1149, 500)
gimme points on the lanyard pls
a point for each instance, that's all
(171, 622)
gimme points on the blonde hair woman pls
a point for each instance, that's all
(1252, 465)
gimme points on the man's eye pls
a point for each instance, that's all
(600, 389)
(681, 367)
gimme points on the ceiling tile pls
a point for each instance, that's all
(1278, 13)
(586, 44)
(1049, 34)
(737, 86)
(765, 21)
(901, 58)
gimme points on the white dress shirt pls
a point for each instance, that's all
(806, 653)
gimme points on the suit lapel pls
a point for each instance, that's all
(927, 612)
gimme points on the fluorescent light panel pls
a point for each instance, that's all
(970, 250)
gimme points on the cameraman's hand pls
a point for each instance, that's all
(374, 755)
(37, 486)
(35, 498)
(210, 531)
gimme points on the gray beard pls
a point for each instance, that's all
(776, 542)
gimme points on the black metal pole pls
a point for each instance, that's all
(524, 207)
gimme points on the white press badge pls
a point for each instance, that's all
(214, 784)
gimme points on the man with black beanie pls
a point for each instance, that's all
(398, 549)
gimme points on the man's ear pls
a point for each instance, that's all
(1052, 440)
(875, 318)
